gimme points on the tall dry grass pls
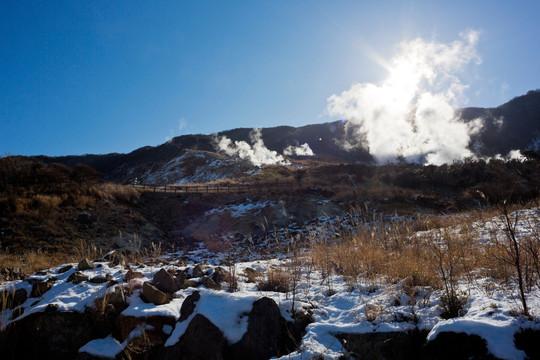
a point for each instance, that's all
(428, 251)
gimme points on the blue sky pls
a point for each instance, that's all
(111, 76)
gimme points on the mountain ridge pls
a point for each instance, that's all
(514, 125)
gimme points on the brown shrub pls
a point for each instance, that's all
(276, 280)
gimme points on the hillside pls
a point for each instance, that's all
(511, 126)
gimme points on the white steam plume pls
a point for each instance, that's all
(302, 150)
(412, 113)
(257, 154)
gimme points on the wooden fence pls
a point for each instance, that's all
(217, 189)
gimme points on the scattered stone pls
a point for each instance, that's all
(191, 283)
(130, 275)
(153, 295)
(63, 269)
(39, 289)
(189, 304)
(198, 271)
(180, 279)
(220, 274)
(210, 284)
(98, 280)
(253, 276)
(117, 298)
(164, 282)
(77, 277)
(116, 258)
(85, 264)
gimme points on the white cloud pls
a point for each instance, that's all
(412, 113)
(302, 150)
(257, 154)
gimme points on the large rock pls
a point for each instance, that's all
(189, 304)
(153, 295)
(267, 334)
(165, 282)
(202, 340)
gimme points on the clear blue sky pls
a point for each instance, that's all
(111, 76)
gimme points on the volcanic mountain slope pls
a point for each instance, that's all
(195, 158)
(514, 125)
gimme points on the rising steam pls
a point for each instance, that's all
(302, 150)
(411, 114)
(257, 154)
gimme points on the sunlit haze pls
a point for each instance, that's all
(101, 77)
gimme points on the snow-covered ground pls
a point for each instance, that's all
(195, 167)
(371, 306)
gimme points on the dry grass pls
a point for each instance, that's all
(117, 192)
(276, 280)
(438, 257)
(33, 261)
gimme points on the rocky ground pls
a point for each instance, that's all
(199, 304)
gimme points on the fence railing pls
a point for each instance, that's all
(216, 189)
